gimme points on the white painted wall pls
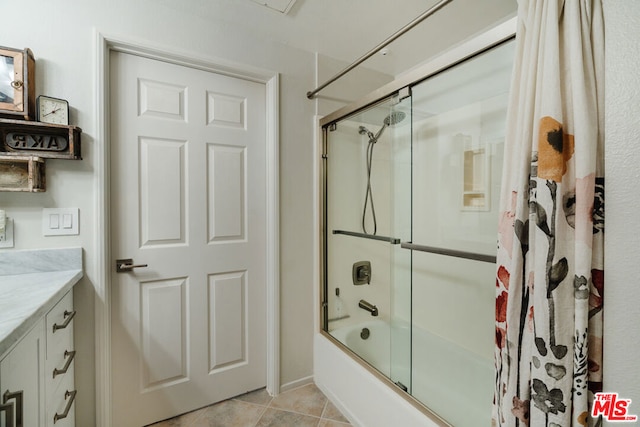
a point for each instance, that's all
(61, 35)
(622, 236)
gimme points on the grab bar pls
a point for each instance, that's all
(449, 252)
(392, 240)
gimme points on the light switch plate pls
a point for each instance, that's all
(60, 222)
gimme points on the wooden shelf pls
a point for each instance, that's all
(44, 140)
(22, 173)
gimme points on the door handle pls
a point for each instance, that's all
(7, 408)
(19, 409)
(126, 265)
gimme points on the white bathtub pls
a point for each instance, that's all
(386, 351)
(452, 381)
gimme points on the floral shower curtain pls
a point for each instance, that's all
(550, 245)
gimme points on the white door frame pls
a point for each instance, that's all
(104, 45)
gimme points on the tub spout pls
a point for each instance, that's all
(368, 307)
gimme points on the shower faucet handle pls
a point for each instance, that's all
(361, 273)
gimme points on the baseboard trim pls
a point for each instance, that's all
(297, 383)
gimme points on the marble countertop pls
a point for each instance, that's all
(31, 283)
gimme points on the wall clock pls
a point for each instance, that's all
(17, 83)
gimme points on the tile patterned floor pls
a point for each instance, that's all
(304, 406)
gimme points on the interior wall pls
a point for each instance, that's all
(349, 88)
(622, 241)
(62, 36)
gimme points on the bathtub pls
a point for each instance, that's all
(453, 382)
(386, 352)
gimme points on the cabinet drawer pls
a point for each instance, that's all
(59, 324)
(62, 404)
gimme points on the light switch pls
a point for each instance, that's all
(67, 221)
(60, 221)
(54, 221)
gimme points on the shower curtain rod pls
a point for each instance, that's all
(394, 36)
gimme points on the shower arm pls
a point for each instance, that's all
(389, 40)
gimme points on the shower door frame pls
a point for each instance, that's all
(483, 42)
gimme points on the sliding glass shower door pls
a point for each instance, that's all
(459, 120)
(410, 214)
(367, 167)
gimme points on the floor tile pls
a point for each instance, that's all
(304, 406)
(230, 413)
(275, 418)
(259, 397)
(331, 412)
(307, 400)
(181, 421)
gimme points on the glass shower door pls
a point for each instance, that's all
(411, 192)
(459, 121)
(367, 163)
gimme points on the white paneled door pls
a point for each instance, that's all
(188, 180)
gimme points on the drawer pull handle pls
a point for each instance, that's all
(5, 400)
(69, 355)
(57, 417)
(68, 316)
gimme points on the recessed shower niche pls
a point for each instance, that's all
(410, 184)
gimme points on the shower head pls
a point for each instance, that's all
(394, 118)
(391, 120)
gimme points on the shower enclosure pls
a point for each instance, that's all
(411, 185)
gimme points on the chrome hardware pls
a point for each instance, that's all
(69, 355)
(127, 265)
(7, 408)
(19, 409)
(392, 240)
(368, 307)
(402, 386)
(57, 417)
(312, 93)
(68, 316)
(449, 252)
(404, 93)
(361, 273)
(365, 333)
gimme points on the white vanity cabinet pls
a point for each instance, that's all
(37, 374)
(21, 397)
